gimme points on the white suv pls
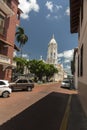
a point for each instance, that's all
(4, 88)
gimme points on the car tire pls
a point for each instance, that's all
(5, 94)
(29, 89)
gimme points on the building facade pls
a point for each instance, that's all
(9, 19)
(52, 54)
(52, 58)
(78, 20)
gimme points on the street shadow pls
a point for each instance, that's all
(77, 118)
(46, 114)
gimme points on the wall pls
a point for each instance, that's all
(82, 80)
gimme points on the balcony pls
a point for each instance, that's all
(5, 8)
(4, 60)
(14, 64)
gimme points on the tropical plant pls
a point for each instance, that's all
(21, 38)
(21, 63)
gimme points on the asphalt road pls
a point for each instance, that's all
(45, 108)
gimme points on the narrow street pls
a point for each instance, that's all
(47, 107)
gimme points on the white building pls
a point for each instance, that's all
(52, 52)
(52, 58)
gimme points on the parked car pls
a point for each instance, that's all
(22, 84)
(66, 83)
(4, 88)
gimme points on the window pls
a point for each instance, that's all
(78, 66)
(6, 1)
(51, 54)
(54, 54)
(81, 11)
(24, 81)
(81, 62)
(2, 23)
(2, 83)
(19, 81)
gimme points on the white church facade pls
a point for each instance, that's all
(52, 58)
(52, 54)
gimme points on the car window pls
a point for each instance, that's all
(19, 81)
(2, 83)
(24, 81)
(30, 81)
(66, 81)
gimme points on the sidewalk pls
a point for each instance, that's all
(77, 117)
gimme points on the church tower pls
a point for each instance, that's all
(52, 52)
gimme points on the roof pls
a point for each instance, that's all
(53, 41)
(74, 15)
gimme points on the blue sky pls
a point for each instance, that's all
(40, 20)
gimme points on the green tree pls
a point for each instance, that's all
(21, 63)
(50, 70)
(37, 68)
(41, 69)
(21, 38)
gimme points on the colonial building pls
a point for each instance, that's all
(52, 52)
(52, 58)
(9, 19)
(78, 21)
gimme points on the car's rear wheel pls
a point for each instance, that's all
(29, 89)
(5, 94)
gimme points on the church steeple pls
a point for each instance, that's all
(52, 51)
(53, 36)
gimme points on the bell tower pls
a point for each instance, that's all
(52, 52)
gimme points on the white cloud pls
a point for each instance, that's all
(67, 12)
(53, 8)
(60, 55)
(25, 56)
(58, 7)
(49, 5)
(68, 54)
(27, 6)
(65, 59)
(53, 17)
(48, 16)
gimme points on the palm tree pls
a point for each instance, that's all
(21, 38)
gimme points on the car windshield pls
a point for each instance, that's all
(66, 81)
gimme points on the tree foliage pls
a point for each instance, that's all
(41, 69)
(20, 62)
(36, 67)
(21, 38)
